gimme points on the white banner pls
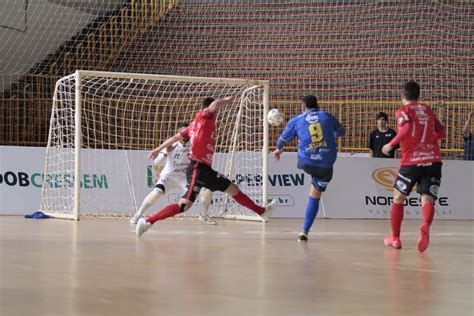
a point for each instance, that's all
(361, 187)
(21, 172)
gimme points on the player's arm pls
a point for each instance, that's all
(439, 129)
(396, 146)
(169, 142)
(403, 132)
(160, 159)
(339, 130)
(467, 125)
(287, 136)
(404, 127)
(219, 103)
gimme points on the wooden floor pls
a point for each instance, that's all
(182, 267)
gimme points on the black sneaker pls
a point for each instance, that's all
(303, 236)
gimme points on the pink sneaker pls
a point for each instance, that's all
(392, 242)
(424, 237)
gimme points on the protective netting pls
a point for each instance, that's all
(354, 53)
(122, 118)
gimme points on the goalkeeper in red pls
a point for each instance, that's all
(418, 132)
(200, 174)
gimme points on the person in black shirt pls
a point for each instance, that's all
(468, 139)
(381, 136)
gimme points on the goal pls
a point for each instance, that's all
(103, 124)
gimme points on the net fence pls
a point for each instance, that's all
(355, 54)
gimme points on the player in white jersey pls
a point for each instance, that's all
(176, 161)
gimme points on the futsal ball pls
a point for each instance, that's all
(275, 117)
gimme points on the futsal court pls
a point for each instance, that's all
(183, 267)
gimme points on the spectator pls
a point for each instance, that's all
(468, 139)
(381, 136)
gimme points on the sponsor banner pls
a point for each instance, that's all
(361, 187)
(21, 179)
(106, 181)
(289, 186)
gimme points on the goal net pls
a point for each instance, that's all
(104, 124)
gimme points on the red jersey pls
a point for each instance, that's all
(201, 133)
(420, 146)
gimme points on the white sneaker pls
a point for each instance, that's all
(134, 219)
(268, 210)
(142, 226)
(207, 220)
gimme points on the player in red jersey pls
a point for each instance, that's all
(200, 173)
(418, 132)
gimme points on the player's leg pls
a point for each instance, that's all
(157, 169)
(149, 201)
(241, 198)
(427, 205)
(403, 185)
(206, 198)
(320, 180)
(190, 193)
(312, 208)
(428, 188)
(171, 210)
(217, 182)
(396, 218)
(168, 211)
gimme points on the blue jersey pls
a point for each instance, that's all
(316, 131)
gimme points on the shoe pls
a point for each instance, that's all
(303, 236)
(424, 237)
(268, 210)
(142, 226)
(207, 220)
(392, 242)
(134, 219)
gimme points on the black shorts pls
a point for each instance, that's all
(426, 177)
(320, 177)
(200, 175)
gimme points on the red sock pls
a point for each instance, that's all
(428, 213)
(244, 200)
(396, 218)
(167, 211)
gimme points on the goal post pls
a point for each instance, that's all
(103, 124)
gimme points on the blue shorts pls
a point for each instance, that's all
(320, 177)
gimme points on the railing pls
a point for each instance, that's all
(25, 122)
(358, 117)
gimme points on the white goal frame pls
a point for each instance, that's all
(78, 135)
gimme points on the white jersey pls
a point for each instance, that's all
(176, 162)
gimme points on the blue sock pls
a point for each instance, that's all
(311, 211)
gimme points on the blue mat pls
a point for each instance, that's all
(38, 215)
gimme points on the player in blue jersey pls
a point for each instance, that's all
(317, 151)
